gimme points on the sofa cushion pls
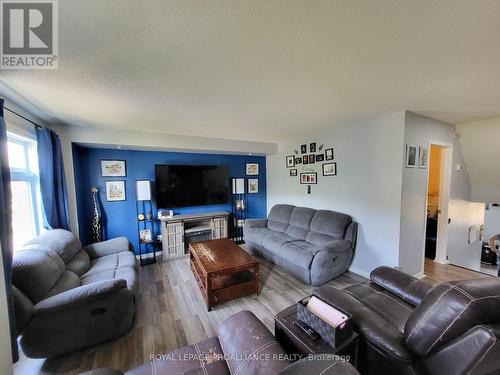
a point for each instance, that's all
(388, 306)
(128, 274)
(273, 241)
(62, 242)
(300, 222)
(297, 257)
(204, 358)
(67, 281)
(327, 226)
(376, 326)
(79, 264)
(255, 235)
(36, 272)
(112, 262)
(244, 339)
(279, 217)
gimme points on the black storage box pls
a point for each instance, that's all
(334, 336)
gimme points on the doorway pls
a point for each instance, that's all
(433, 200)
(437, 201)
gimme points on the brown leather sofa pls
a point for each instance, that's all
(410, 327)
(243, 346)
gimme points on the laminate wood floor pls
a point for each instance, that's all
(171, 313)
(437, 272)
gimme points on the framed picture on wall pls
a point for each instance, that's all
(305, 159)
(253, 185)
(423, 157)
(329, 154)
(252, 169)
(330, 169)
(312, 147)
(115, 191)
(303, 149)
(298, 160)
(290, 161)
(411, 156)
(308, 178)
(145, 235)
(320, 157)
(312, 159)
(113, 168)
(293, 173)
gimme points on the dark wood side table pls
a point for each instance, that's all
(295, 341)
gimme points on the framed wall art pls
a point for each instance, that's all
(113, 168)
(115, 191)
(411, 156)
(312, 147)
(290, 161)
(309, 178)
(330, 169)
(303, 149)
(423, 157)
(252, 169)
(293, 173)
(253, 185)
(329, 154)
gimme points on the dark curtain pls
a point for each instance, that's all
(6, 228)
(52, 180)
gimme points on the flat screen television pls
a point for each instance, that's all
(191, 185)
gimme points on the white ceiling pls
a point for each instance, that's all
(265, 70)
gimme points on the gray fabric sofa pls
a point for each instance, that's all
(313, 245)
(67, 297)
(243, 346)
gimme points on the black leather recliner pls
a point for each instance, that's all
(408, 326)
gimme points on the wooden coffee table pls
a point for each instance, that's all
(223, 270)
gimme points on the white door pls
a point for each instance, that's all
(464, 242)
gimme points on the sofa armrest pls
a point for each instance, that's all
(351, 234)
(334, 246)
(467, 352)
(401, 284)
(255, 223)
(243, 334)
(77, 297)
(113, 246)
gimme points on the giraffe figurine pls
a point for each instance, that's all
(96, 217)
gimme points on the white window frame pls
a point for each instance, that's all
(29, 175)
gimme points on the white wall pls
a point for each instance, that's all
(420, 131)
(369, 160)
(480, 142)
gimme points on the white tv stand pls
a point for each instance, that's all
(173, 230)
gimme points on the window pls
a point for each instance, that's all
(26, 200)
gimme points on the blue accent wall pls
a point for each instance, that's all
(120, 218)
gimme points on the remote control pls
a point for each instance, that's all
(307, 330)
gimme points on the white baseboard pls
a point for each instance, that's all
(359, 272)
(419, 275)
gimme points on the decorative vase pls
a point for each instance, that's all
(96, 217)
